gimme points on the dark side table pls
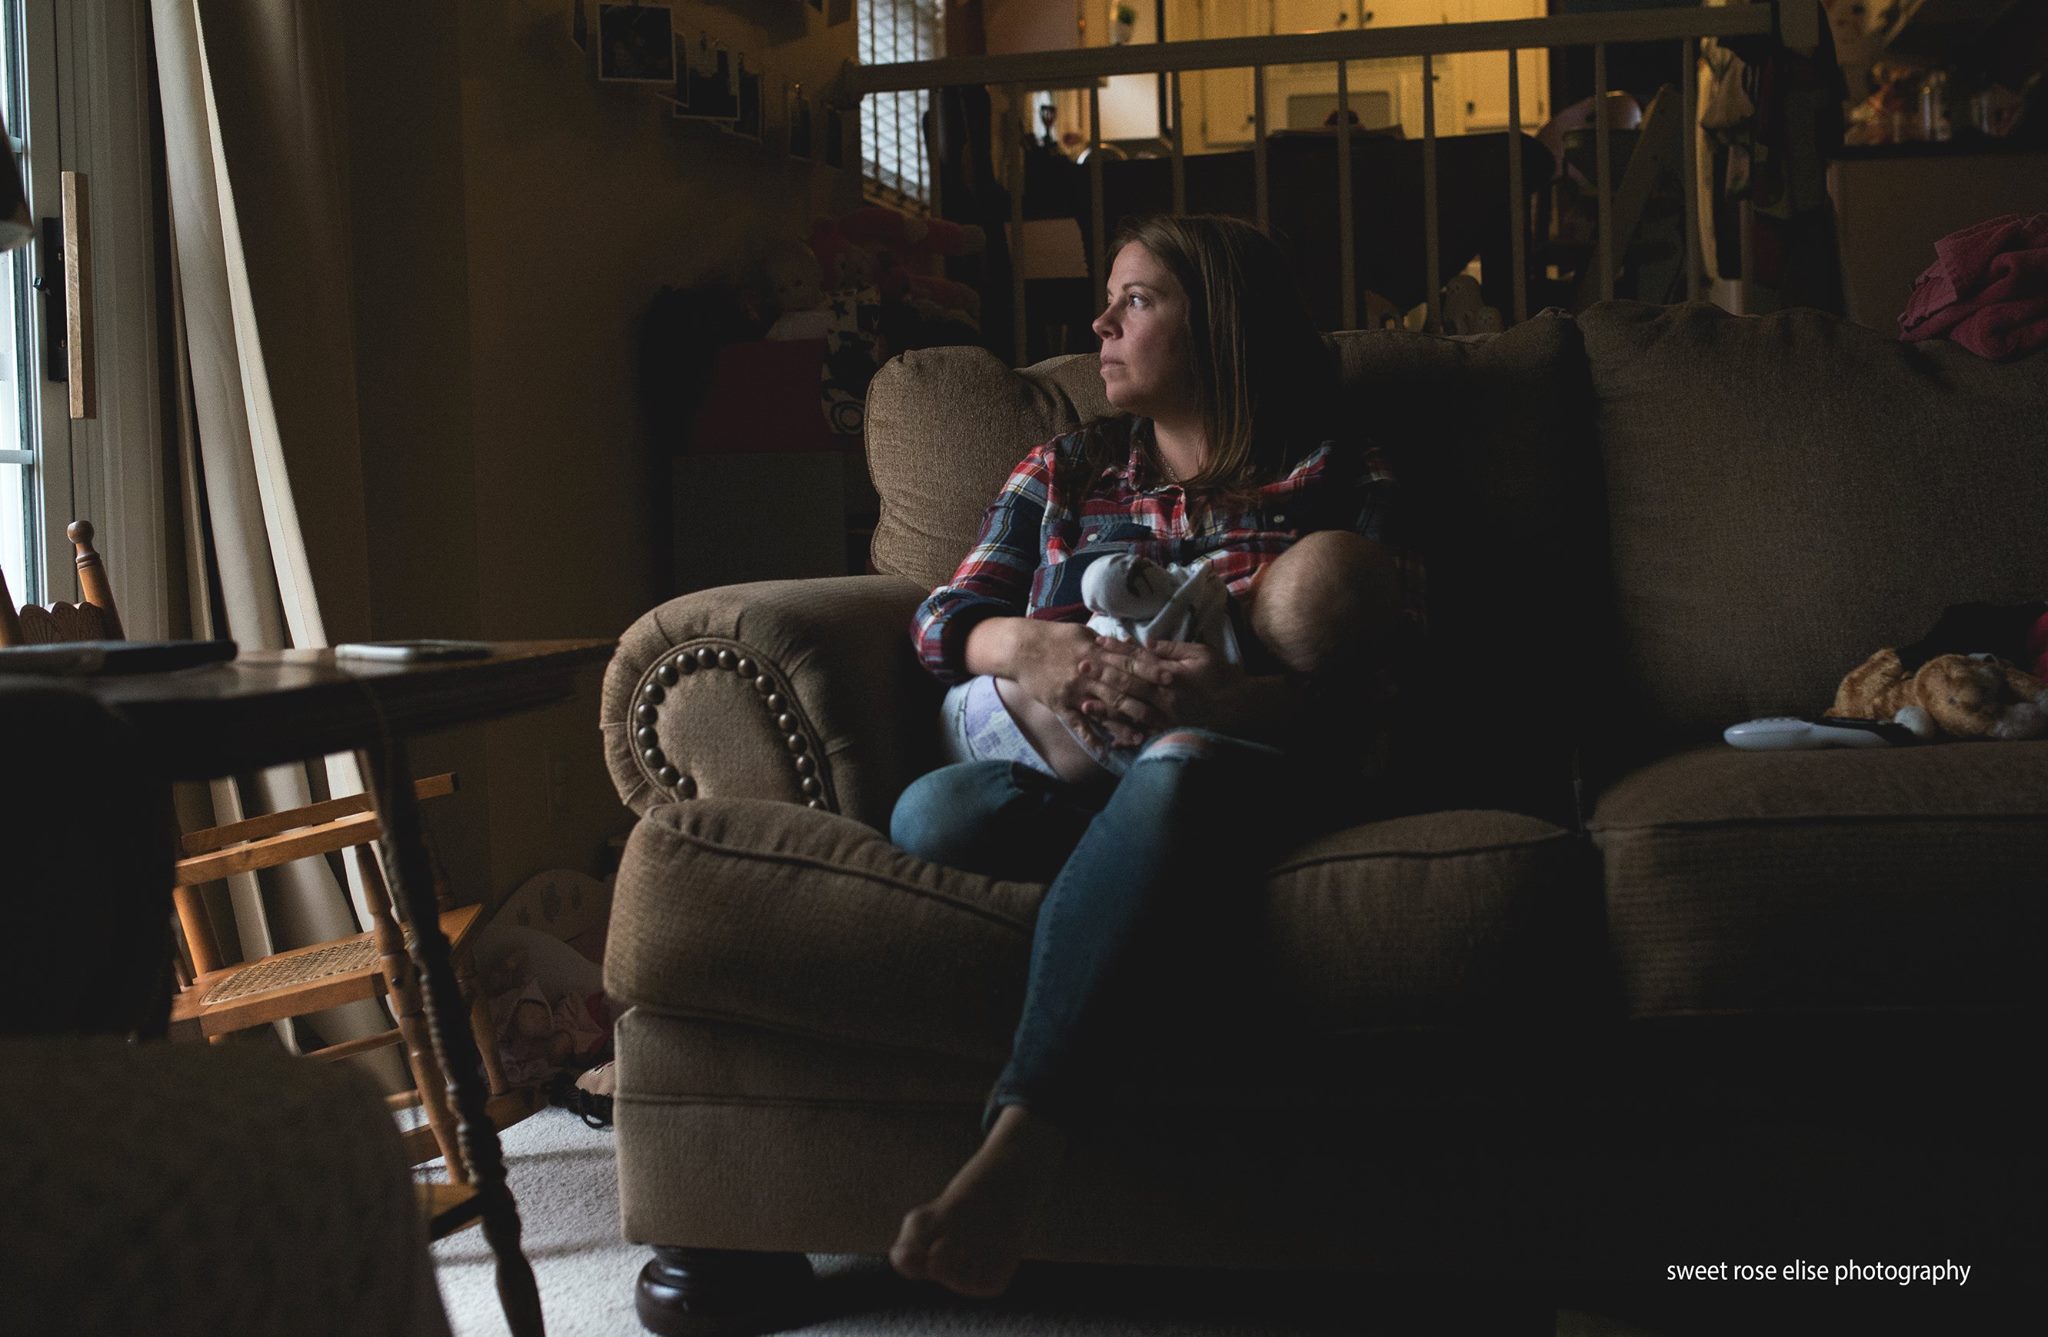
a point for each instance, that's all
(272, 707)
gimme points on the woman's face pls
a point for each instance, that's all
(1144, 331)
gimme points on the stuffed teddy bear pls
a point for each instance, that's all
(1951, 695)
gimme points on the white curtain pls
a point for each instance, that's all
(260, 259)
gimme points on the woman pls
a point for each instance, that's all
(1218, 456)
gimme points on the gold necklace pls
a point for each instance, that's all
(1166, 470)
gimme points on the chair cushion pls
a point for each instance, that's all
(1829, 880)
(801, 921)
(1788, 493)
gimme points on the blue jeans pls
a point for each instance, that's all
(1152, 892)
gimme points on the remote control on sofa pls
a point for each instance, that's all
(1780, 733)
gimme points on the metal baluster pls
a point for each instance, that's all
(1518, 204)
(1098, 270)
(1020, 328)
(1603, 162)
(1432, 257)
(1259, 187)
(1180, 174)
(1688, 126)
(1347, 264)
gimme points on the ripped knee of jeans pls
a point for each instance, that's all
(1177, 745)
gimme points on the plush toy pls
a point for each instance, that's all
(798, 283)
(1950, 695)
(902, 257)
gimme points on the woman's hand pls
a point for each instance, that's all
(1093, 683)
(1190, 684)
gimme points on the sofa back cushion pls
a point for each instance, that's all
(1492, 440)
(1788, 493)
(944, 428)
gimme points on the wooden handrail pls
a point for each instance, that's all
(1050, 68)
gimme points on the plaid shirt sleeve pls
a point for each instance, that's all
(994, 579)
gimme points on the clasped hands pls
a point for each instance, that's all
(1121, 693)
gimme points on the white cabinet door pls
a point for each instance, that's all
(1324, 15)
(1401, 13)
(1482, 76)
(1219, 102)
(1312, 15)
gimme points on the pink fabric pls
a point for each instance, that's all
(2037, 650)
(1986, 290)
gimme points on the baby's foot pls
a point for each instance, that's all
(970, 1238)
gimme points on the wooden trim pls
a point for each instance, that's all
(282, 848)
(78, 296)
(255, 828)
(350, 1048)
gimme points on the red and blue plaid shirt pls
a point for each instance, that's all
(1037, 537)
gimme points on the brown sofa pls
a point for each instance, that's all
(1595, 995)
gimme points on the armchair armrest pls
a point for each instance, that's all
(805, 691)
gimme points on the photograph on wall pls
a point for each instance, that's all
(835, 138)
(707, 82)
(634, 44)
(579, 25)
(841, 11)
(797, 116)
(747, 125)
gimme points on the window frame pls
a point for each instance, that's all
(86, 91)
(888, 113)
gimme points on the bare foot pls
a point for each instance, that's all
(970, 1238)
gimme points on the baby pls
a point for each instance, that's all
(1309, 610)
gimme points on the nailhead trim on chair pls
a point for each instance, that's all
(669, 671)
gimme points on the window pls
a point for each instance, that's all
(34, 448)
(73, 90)
(895, 161)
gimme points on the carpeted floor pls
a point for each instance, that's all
(563, 1176)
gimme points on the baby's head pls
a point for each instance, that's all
(1319, 606)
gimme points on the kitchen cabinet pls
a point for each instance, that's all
(1482, 76)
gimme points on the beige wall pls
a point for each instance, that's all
(513, 218)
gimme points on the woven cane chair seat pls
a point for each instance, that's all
(283, 972)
